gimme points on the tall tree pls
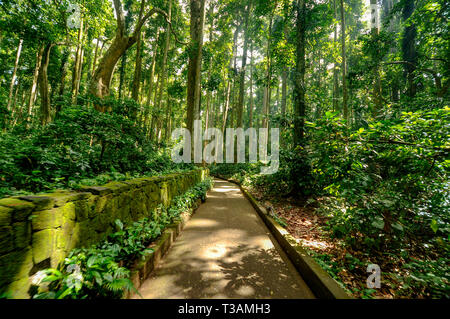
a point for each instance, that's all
(344, 64)
(299, 79)
(240, 107)
(197, 19)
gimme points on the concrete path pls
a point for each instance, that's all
(225, 251)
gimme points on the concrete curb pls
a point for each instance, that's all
(142, 269)
(320, 282)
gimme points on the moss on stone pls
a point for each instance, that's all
(117, 187)
(15, 266)
(97, 190)
(5, 216)
(81, 210)
(41, 202)
(43, 243)
(6, 240)
(62, 197)
(69, 211)
(21, 209)
(22, 234)
(46, 219)
(19, 289)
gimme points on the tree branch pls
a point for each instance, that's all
(119, 16)
(166, 17)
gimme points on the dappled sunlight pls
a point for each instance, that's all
(316, 244)
(225, 252)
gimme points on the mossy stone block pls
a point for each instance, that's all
(81, 210)
(43, 243)
(19, 289)
(21, 209)
(125, 198)
(62, 197)
(97, 190)
(5, 216)
(22, 234)
(69, 211)
(98, 204)
(40, 202)
(6, 240)
(15, 266)
(117, 187)
(46, 219)
(57, 257)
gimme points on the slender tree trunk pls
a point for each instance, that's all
(409, 52)
(137, 70)
(63, 72)
(209, 93)
(13, 78)
(250, 116)
(44, 87)
(377, 85)
(228, 97)
(344, 65)
(151, 79)
(335, 72)
(34, 83)
(162, 84)
(94, 63)
(266, 98)
(195, 62)
(240, 108)
(299, 91)
(77, 64)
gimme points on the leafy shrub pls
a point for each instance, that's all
(80, 144)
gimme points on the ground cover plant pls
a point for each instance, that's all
(103, 270)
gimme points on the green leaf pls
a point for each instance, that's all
(378, 223)
(434, 226)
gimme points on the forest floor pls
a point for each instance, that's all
(346, 265)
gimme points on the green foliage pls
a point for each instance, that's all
(78, 146)
(103, 270)
(387, 182)
(430, 278)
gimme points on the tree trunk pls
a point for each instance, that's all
(266, 99)
(409, 52)
(377, 85)
(299, 92)
(162, 84)
(250, 116)
(240, 108)
(195, 62)
(335, 73)
(151, 79)
(137, 70)
(44, 87)
(63, 72)
(39, 55)
(13, 78)
(77, 64)
(101, 80)
(344, 64)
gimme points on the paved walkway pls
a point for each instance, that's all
(225, 251)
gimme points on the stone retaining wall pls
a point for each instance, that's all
(37, 232)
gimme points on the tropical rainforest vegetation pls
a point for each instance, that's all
(90, 91)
